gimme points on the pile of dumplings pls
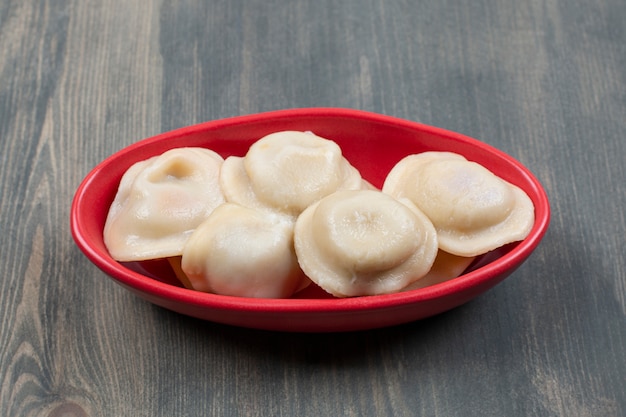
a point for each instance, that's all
(293, 211)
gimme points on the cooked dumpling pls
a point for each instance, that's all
(288, 171)
(364, 242)
(239, 251)
(160, 201)
(473, 210)
(236, 184)
(445, 267)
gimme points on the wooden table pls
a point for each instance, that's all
(544, 81)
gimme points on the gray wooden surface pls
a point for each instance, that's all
(543, 80)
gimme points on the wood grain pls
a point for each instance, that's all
(544, 81)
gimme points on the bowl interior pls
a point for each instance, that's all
(372, 143)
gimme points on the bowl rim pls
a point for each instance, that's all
(156, 288)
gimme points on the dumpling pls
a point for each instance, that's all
(473, 210)
(445, 268)
(240, 251)
(160, 201)
(236, 184)
(364, 242)
(288, 171)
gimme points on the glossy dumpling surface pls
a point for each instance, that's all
(354, 243)
(288, 171)
(240, 251)
(160, 201)
(473, 210)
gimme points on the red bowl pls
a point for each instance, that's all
(371, 142)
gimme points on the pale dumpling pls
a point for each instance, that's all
(236, 184)
(445, 268)
(240, 251)
(473, 210)
(288, 171)
(364, 242)
(159, 203)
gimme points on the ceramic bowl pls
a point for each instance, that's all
(373, 143)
